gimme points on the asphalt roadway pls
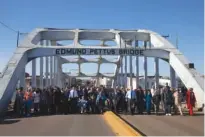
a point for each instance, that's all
(96, 125)
(56, 125)
(176, 125)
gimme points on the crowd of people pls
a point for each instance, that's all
(77, 99)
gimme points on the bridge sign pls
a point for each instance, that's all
(85, 51)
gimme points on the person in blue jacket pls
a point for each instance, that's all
(148, 99)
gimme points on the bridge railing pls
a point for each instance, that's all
(3, 72)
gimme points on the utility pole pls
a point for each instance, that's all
(17, 41)
(18, 36)
(18, 33)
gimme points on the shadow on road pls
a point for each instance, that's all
(8, 121)
(163, 114)
(9, 117)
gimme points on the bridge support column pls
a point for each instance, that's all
(52, 66)
(121, 65)
(33, 73)
(70, 81)
(98, 68)
(118, 79)
(145, 68)
(156, 72)
(172, 78)
(41, 69)
(46, 73)
(121, 74)
(97, 81)
(130, 76)
(131, 80)
(51, 70)
(60, 75)
(113, 83)
(137, 66)
(55, 70)
(125, 67)
(59, 71)
(22, 79)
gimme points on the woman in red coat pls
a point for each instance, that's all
(190, 100)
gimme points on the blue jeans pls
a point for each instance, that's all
(148, 107)
(28, 104)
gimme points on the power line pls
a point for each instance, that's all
(18, 33)
(8, 27)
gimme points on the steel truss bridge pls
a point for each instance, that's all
(43, 43)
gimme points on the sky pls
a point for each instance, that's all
(166, 17)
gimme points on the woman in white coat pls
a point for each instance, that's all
(178, 101)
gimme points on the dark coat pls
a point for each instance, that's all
(168, 97)
(156, 98)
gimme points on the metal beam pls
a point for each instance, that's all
(41, 69)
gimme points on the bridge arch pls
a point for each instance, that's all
(155, 46)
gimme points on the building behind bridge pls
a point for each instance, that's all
(107, 82)
(150, 81)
